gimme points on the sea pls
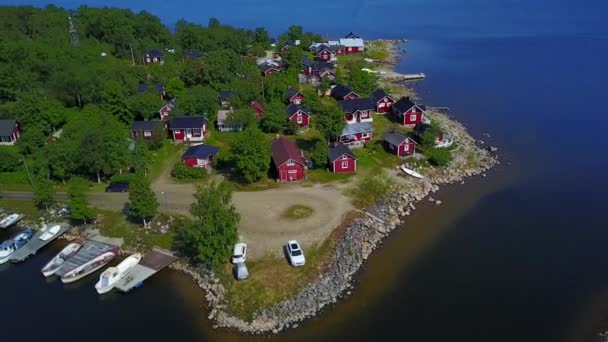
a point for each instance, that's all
(518, 255)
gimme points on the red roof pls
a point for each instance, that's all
(282, 150)
(257, 106)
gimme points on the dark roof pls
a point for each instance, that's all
(378, 95)
(143, 87)
(403, 104)
(338, 151)
(282, 150)
(267, 66)
(306, 61)
(293, 108)
(257, 106)
(200, 151)
(145, 125)
(395, 138)
(323, 47)
(7, 127)
(351, 35)
(359, 127)
(291, 92)
(154, 53)
(340, 90)
(226, 94)
(195, 54)
(421, 128)
(351, 106)
(180, 122)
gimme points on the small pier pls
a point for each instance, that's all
(35, 243)
(88, 252)
(151, 264)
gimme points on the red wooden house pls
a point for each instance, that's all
(147, 130)
(153, 56)
(357, 134)
(294, 96)
(357, 110)
(165, 110)
(399, 144)
(341, 92)
(407, 112)
(298, 115)
(188, 128)
(199, 156)
(382, 101)
(258, 108)
(9, 132)
(352, 45)
(324, 53)
(342, 159)
(288, 160)
(269, 68)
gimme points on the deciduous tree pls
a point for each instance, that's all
(251, 154)
(143, 204)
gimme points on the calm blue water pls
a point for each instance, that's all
(518, 256)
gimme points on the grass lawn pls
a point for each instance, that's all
(23, 207)
(297, 212)
(165, 157)
(325, 176)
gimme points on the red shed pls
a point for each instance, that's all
(9, 132)
(188, 128)
(407, 112)
(342, 159)
(258, 107)
(399, 144)
(165, 110)
(288, 160)
(382, 101)
(298, 115)
(199, 156)
(294, 96)
(269, 68)
(146, 130)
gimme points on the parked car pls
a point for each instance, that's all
(118, 187)
(239, 254)
(296, 255)
(240, 271)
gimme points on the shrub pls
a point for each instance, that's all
(10, 160)
(370, 189)
(180, 171)
(319, 154)
(123, 178)
(439, 156)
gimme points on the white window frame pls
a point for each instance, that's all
(147, 133)
(365, 135)
(300, 119)
(289, 162)
(345, 164)
(406, 147)
(413, 117)
(381, 105)
(197, 131)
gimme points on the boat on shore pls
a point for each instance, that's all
(110, 277)
(10, 220)
(68, 251)
(88, 268)
(8, 247)
(411, 172)
(49, 233)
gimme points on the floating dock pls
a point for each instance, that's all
(32, 246)
(88, 252)
(151, 264)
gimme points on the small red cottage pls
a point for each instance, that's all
(294, 96)
(199, 156)
(324, 53)
(341, 92)
(399, 144)
(288, 160)
(269, 68)
(146, 130)
(298, 115)
(357, 110)
(9, 132)
(342, 159)
(165, 110)
(258, 108)
(188, 128)
(356, 134)
(382, 101)
(407, 112)
(154, 56)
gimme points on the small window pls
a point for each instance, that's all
(365, 135)
(147, 133)
(300, 120)
(344, 164)
(406, 147)
(413, 117)
(293, 171)
(381, 105)
(289, 162)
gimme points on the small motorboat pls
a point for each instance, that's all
(50, 232)
(110, 277)
(88, 268)
(411, 172)
(52, 266)
(8, 247)
(10, 220)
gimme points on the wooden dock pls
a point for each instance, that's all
(151, 264)
(88, 252)
(35, 243)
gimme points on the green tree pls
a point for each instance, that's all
(10, 160)
(273, 122)
(142, 200)
(140, 157)
(330, 121)
(240, 118)
(209, 238)
(145, 105)
(361, 82)
(115, 101)
(319, 154)
(44, 192)
(175, 87)
(78, 203)
(251, 154)
(198, 100)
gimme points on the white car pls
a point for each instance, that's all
(239, 254)
(296, 255)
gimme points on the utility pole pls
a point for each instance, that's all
(132, 55)
(73, 33)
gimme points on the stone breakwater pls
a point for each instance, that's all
(362, 236)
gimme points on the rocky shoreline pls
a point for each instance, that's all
(362, 236)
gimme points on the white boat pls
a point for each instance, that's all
(411, 172)
(52, 266)
(10, 220)
(88, 268)
(50, 232)
(7, 248)
(110, 277)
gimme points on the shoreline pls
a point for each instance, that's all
(361, 237)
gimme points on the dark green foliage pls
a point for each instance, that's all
(198, 100)
(209, 238)
(43, 192)
(273, 122)
(78, 203)
(139, 158)
(319, 154)
(429, 137)
(124, 178)
(10, 160)
(241, 118)
(330, 121)
(439, 156)
(145, 105)
(180, 171)
(251, 154)
(291, 128)
(143, 204)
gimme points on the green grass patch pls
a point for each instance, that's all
(370, 189)
(164, 158)
(297, 212)
(26, 208)
(325, 176)
(14, 181)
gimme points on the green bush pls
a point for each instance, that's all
(319, 154)
(370, 189)
(180, 171)
(10, 160)
(123, 178)
(439, 156)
